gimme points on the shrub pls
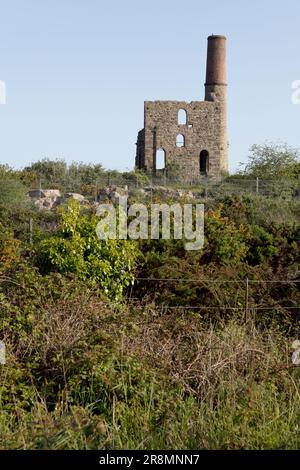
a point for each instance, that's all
(9, 248)
(76, 249)
(12, 193)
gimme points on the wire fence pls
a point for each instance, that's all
(249, 307)
(201, 187)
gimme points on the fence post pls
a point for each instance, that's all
(257, 185)
(247, 299)
(96, 191)
(30, 230)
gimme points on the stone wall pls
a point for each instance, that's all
(204, 130)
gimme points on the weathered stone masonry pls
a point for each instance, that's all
(198, 146)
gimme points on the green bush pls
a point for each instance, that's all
(12, 193)
(76, 249)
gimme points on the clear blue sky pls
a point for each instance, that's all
(77, 73)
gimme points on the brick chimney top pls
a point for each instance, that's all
(216, 60)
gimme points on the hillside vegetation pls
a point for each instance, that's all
(140, 344)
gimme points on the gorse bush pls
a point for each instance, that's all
(225, 241)
(9, 248)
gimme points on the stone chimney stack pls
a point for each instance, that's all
(216, 61)
(216, 91)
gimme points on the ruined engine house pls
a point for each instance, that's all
(191, 135)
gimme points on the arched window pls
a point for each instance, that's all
(160, 159)
(204, 162)
(180, 140)
(182, 117)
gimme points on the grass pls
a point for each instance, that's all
(160, 381)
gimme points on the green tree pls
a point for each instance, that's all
(273, 161)
(85, 173)
(49, 171)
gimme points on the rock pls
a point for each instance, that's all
(103, 194)
(44, 193)
(51, 193)
(186, 193)
(44, 203)
(45, 198)
(137, 192)
(68, 196)
(111, 193)
(51, 198)
(76, 196)
(35, 193)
